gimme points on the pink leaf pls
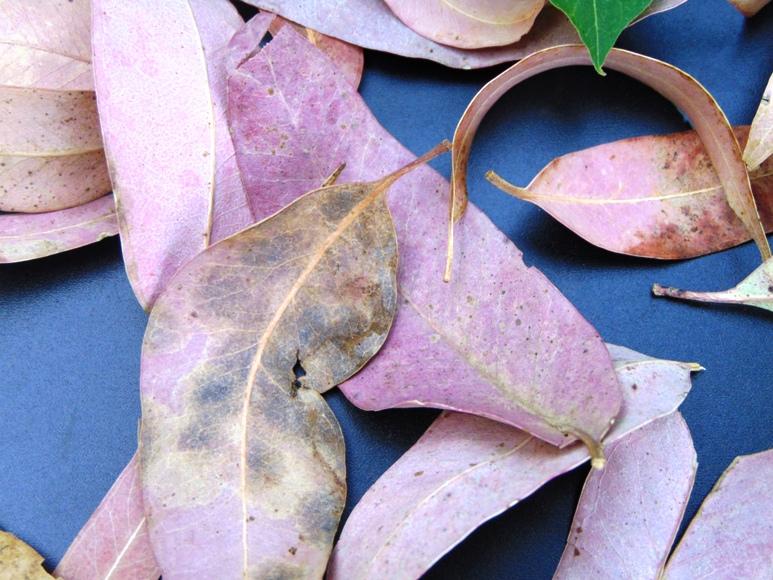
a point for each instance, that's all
(482, 344)
(158, 126)
(759, 147)
(370, 24)
(674, 84)
(45, 44)
(30, 236)
(732, 534)
(465, 470)
(50, 150)
(656, 197)
(114, 542)
(469, 23)
(629, 513)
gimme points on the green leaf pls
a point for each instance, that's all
(600, 22)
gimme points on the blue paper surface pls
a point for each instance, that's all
(71, 330)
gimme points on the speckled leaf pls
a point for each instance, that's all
(469, 23)
(683, 90)
(732, 534)
(465, 470)
(754, 290)
(158, 126)
(232, 444)
(600, 22)
(628, 515)
(501, 340)
(45, 44)
(18, 561)
(749, 7)
(656, 197)
(50, 150)
(759, 147)
(348, 57)
(114, 542)
(370, 24)
(30, 236)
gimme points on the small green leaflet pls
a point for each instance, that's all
(600, 22)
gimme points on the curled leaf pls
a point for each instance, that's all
(683, 90)
(759, 147)
(158, 126)
(628, 515)
(469, 23)
(749, 7)
(731, 536)
(348, 57)
(655, 197)
(487, 344)
(754, 290)
(45, 44)
(18, 561)
(50, 150)
(234, 441)
(114, 542)
(30, 236)
(465, 470)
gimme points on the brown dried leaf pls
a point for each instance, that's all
(18, 561)
(233, 444)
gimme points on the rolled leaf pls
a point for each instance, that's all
(731, 536)
(469, 23)
(158, 126)
(18, 561)
(114, 542)
(50, 150)
(30, 236)
(465, 470)
(453, 346)
(749, 7)
(754, 290)
(655, 197)
(45, 44)
(348, 57)
(234, 442)
(759, 147)
(628, 515)
(683, 90)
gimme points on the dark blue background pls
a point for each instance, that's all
(70, 328)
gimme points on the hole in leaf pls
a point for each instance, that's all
(299, 373)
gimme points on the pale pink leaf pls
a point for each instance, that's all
(754, 290)
(50, 150)
(481, 344)
(656, 197)
(465, 470)
(370, 24)
(759, 147)
(30, 236)
(217, 22)
(45, 44)
(347, 57)
(469, 23)
(629, 513)
(113, 545)
(158, 126)
(676, 85)
(749, 7)
(732, 534)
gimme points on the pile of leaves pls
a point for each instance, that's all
(285, 244)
